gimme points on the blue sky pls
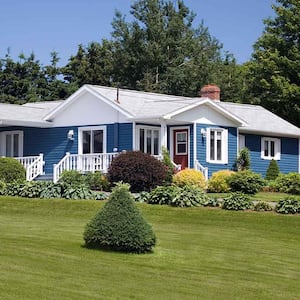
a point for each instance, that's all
(43, 26)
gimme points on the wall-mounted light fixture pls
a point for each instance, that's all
(203, 132)
(71, 135)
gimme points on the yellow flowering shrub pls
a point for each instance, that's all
(189, 177)
(218, 182)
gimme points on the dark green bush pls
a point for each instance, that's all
(163, 194)
(289, 205)
(246, 182)
(272, 171)
(96, 181)
(77, 192)
(189, 196)
(71, 177)
(119, 225)
(142, 171)
(288, 183)
(237, 201)
(11, 170)
(262, 206)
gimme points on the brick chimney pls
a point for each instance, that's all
(211, 91)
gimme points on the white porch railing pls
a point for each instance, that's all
(83, 163)
(33, 165)
(202, 169)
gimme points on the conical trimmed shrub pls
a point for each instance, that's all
(119, 225)
(273, 170)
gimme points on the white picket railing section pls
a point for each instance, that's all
(33, 164)
(83, 163)
(202, 169)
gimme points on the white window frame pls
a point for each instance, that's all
(277, 148)
(152, 128)
(186, 143)
(224, 145)
(3, 141)
(90, 128)
(242, 142)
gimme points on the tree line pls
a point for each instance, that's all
(161, 50)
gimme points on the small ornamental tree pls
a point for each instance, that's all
(141, 171)
(273, 170)
(243, 160)
(119, 226)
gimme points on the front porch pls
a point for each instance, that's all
(84, 163)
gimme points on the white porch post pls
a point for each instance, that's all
(133, 136)
(163, 134)
(195, 143)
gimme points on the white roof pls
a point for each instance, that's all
(138, 105)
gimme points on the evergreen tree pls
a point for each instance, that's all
(273, 170)
(274, 71)
(119, 225)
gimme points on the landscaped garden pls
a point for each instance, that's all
(201, 247)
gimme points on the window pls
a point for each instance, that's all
(217, 145)
(12, 143)
(148, 140)
(270, 148)
(92, 140)
(181, 143)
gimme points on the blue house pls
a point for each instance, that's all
(96, 123)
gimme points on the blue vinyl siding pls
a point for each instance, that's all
(232, 149)
(289, 159)
(53, 142)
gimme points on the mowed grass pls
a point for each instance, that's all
(201, 253)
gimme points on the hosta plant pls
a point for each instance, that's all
(237, 201)
(289, 205)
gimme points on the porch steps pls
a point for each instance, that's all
(44, 177)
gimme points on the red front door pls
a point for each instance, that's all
(180, 147)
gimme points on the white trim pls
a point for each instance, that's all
(85, 89)
(3, 141)
(91, 128)
(213, 105)
(172, 142)
(224, 145)
(195, 143)
(299, 156)
(277, 148)
(137, 138)
(163, 134)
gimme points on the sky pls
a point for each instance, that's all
(44, 26)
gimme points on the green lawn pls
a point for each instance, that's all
(201, 253)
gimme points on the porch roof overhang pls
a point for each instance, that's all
(157, 120)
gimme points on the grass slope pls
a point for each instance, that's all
(201, 254)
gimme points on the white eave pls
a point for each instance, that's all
(26, 123)
(213, 105)
(84, 89)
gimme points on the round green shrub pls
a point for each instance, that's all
(288, 183)
(96, 181)
(162, 194)
(237, 201)
(142, 171)
(71, 177)
(11, 170)
(188, 196)
(289, 205)
(272, 171)
(189, 177)
(262, 206)
(119, 226)
(246, 182)
(218, 182)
